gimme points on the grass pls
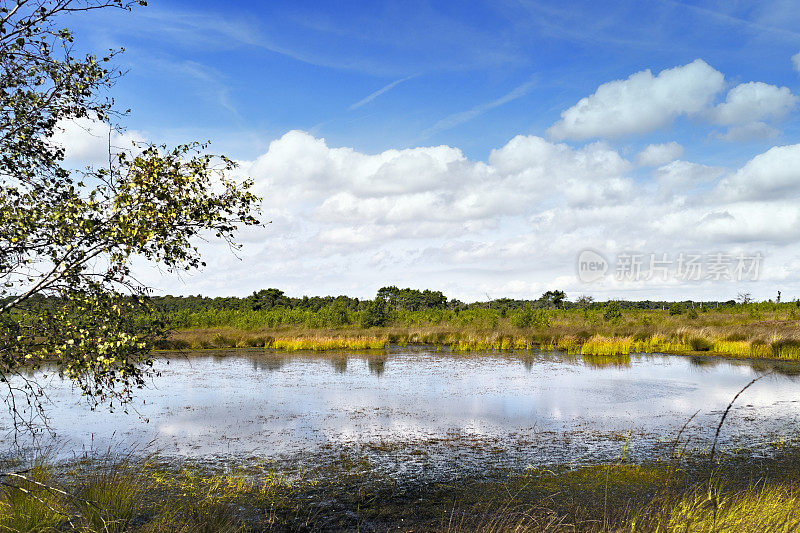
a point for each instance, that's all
(349, 493)
(27, 505)
(770, 341)
(769, 331)
(709, 508)
(320, 343)
(109, 498)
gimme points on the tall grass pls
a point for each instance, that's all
(709, 508)
(761, 330)
(329, 343)
(598, 345)
(110, 497)
(28, 505)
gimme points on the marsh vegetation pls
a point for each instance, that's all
(680, 493)
(746, 330)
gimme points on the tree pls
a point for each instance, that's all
(676, 308)
(67, 238)
(375, 313)
(412, 299)
(267, 299)
(744, 298)
(553, 298)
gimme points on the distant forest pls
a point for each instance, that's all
(400, 299)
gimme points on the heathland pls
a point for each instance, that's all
(406, 316)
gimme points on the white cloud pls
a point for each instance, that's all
(754, 102)
(683, 176)
(796, 61)
(750, 132)
(775, 174)
(431, 185)
(374, 95)
(349, 222)
(655, 155)
(641, 103)
(86, 141)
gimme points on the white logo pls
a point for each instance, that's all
(591, 266)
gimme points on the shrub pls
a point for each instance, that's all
(613, 312)
(676, 309)
(528, 317)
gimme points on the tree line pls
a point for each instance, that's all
(406, 299)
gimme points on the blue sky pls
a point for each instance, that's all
(372, 77)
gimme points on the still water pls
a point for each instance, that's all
(538, 407)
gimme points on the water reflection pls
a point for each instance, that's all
(377, 364)
(607, 361)
(528, 359)
(270, 362)
(339, 363)
(761, 366)
(701, 361)
(257, 402)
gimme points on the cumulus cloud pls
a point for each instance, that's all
(435, 187)
(655, 155)
(746, 108)
(345, 221)
(773, 175)
(641, 103)
(796, 61)
(753, 102)
(360, 200)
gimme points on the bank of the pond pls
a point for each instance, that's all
(678, 493)
(742, 342)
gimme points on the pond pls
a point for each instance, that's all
(415, 403)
